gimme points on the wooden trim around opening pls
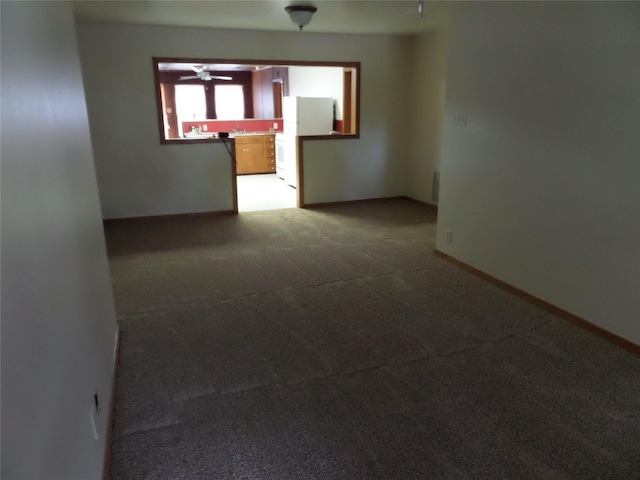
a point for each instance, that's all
(234, 177)
(570, 317)
(354, 67)
(300, 174)
(347, 97)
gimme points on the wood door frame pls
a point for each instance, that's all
(278, 93)
(168, 92)
(159, 76)
(350, 101)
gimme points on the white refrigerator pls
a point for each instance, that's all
(303, 116)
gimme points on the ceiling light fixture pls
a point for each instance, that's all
(300, 14)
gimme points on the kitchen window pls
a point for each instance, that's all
(210, 95)
(190, 102)
(229, 102)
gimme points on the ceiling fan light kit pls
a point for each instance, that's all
(300, 14)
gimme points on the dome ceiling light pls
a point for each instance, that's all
(300, 14)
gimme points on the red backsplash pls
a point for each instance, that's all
(247, 125)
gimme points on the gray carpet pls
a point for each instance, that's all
(332, 344)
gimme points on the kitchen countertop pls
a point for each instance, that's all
(202, 136)
(247, 134)
(214, 136)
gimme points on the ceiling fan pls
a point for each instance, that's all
(202, 74)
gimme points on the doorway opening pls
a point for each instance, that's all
(251, 100)
(264, 191)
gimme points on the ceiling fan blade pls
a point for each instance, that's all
(206, 77)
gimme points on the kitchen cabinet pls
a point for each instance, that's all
(265, 105)
(267, 93)
(255, 154)
(270, 153)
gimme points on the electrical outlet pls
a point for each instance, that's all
(449, 236)
(205, 127)
(275, 125)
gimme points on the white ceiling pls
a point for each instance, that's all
(333, 16)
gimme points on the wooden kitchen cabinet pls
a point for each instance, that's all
(263, 89)
(270, 153)
(267, 94)
(255, 154)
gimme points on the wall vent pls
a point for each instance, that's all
(435, 186)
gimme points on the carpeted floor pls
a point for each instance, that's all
(332, 344)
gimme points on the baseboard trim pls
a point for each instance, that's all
(171, 216)
(570, 317)
(354, 202)
(107, 221)
(432, 206)
(106, 461)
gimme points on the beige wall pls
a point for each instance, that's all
(533, 188)
(58, 318)
(428, 81)
(318, 82)
(139, 177)
(541, 188)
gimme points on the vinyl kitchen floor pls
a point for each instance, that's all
(264, 192)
